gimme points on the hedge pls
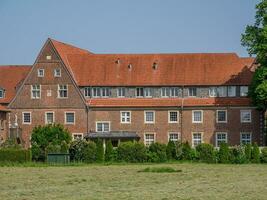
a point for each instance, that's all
(15, 155)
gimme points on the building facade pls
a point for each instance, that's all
(149, 97)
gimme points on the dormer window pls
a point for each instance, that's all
(40, 73)
(57, 73)
(2, 93)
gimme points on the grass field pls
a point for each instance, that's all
(191, 181)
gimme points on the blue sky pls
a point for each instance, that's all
(123, 26)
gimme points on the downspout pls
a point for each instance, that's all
(182, 107)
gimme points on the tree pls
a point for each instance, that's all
(255, 154)
(171, 150)
(255, 40)
(99, 151)
(108, 151)
(44, 137)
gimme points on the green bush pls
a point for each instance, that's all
(108, 151)
(255, 154)
(89, 152)
(15, 155)
(51, 148)
(264, 155)
(224, 153)
(171, 150)
(99, 151)
(248, 151)
(206, 153)
(237, 155)
(131, 152)
(11, 144)
(185, 152)
(157, 151)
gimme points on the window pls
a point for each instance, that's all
(87, 91)
(196, 139)
(105, 92)
(213, 91)
(231, 91)
(121, 92)
(165, 92)
(149, 117)
(69, 117)
(222, 91)
(1, 93)
(245, 138)
(57, 72)
(243, 91)
(36, 91)
(221, 116)
(174, 92)
(49, 93)
(48, 57)
(245, 116)
(125, 117)
(192, 92)
(174, 136)
(62, 91)
(26, 118)
(221, 138)
(77, 136)
(147, 92)
(197, 116)
(173, 116)
(96, 92)
(102, 126)
(139, 92)
(49, 118)
(40, 73)
(2, 124)
(149, 139)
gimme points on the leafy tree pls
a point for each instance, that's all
(171, 150)
(248, 149)
(108, 151)
(48, 136)
(255, 40)
(224, 153)
(99, 151)
(255, 154)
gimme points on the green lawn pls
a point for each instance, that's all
(195, 181)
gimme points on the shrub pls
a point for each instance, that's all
(131, 152)
(64, 147)
(248, 151)
(206, 153)
(15, 155)
(237, 155)
(51, 148)
(89, 152)
(108, 151)
(10, 144)
(160, 170)
(158, 151)
(255, 153)
(224, 153)
(99, 150)
(185, 152)
(171, 150)
(264, 155)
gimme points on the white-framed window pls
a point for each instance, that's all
(139, 92)
(102, 126)
(49, 117)
(49, 93)
(165, 92)
(221, 137)
(221, 116)
(105, 92)
(174, 92)
(243, 91)
(173, 136)
(96, 92)
(192, 92)
(147, 92)
(69, 117)
(125, 117)
(57, 72)
(35, 91)
(213, 91)
(231, 91)
(149, 117)
(40, 72)
(222, 91)
(87, 91)
(173, 116)
(121, 92)
(26, 118)
(2, 93)
(149, 138)
(245, 137)
(196, 138)
(197, 116)
(48, 57)
(77, 136)
(245, 116)
(62, 91)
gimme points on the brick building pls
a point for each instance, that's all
(151, 97)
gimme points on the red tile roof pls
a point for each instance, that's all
(172, 69)
(3, 108)
(167, 102)
(10, 78)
